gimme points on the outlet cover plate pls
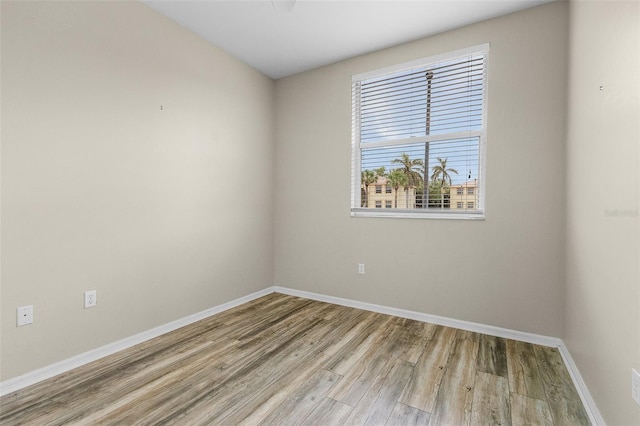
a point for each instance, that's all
(635, 386)
(90, 299)
(24, 315)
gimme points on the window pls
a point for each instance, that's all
(470, 205)
(460, 204)
(387, 204)
(378, 204)
(378, 189)
(388, 189)
(423, 125)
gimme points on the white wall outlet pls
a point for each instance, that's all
(24, 315)
(361, 268)
(635, 386)
(90, 299)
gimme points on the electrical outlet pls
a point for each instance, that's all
(635, 386)
(90, 299)
(24, 315)
(361, 268)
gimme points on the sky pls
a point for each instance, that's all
(395, 107)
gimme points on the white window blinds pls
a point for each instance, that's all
(419, 128)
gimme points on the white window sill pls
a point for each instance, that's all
(412, 214)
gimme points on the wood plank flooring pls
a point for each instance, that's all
(283, 360)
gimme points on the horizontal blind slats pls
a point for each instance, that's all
(395, 106)
(435, 99)
(423, 81)
(476, 63)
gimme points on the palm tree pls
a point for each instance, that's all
(380, 172)
(411, 169)
(396, 178)
(442, 172)
(435, 191)
(367, 177)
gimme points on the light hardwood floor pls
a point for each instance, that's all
(283, 360)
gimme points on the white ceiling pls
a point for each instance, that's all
(314, 33)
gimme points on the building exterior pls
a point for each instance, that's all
(383, 196)
(464, 196)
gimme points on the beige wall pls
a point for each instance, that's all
(103, 190)
(513, 269)
(602, 296)
(164, 213)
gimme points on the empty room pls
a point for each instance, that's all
(320, 212)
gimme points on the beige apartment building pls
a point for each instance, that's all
(464, 196)
(383, 196)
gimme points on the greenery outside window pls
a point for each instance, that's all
(419, 129)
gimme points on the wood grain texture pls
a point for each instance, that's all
(492, 355)
(284, 360)
(376, 404)
(328, 412)
(403, 415)
(564, 403)
(455, 396)
(491, 404)
(527, 411)
(422, 389)
(523, 370)
(303, 400)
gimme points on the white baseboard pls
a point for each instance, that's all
(434, 319)
(581, 387)
(583, 392)
(52, 370)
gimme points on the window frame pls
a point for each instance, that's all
(479, 212)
